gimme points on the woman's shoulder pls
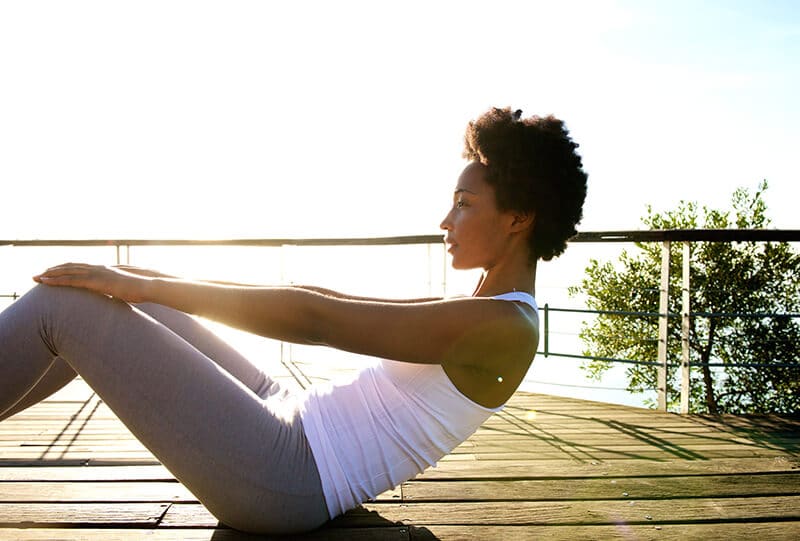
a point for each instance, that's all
(518, 296)
(490, 364)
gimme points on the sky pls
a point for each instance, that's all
(165, 119)
(231, 119)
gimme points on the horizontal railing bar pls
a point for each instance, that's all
(654, 235)
(745, 314)
(365, 241)
(654, 363)
(796, 366)
(698, 235)
(674, 314)
(609, 312)
(595, 358)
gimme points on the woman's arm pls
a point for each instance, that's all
(231, 304)
(324, 291)
(339, 295)
(467, 331)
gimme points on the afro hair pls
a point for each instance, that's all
(533, 167)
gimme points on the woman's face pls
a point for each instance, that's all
(476, 230)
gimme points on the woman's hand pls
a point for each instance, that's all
(115, 282)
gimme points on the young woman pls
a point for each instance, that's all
(258, 458)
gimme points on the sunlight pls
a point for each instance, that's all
(205, 120)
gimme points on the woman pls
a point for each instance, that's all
(259, 458)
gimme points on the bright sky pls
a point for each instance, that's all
(265, 119)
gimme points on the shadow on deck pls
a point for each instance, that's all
(545, 467)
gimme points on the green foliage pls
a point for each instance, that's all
(726, 278)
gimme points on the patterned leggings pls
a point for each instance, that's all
(216, 421)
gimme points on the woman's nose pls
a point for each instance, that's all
(445, 223)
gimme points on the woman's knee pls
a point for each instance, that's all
(53, 299)
(50, 296)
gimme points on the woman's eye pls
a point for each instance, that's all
(459, 204)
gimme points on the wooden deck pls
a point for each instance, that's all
(545, 467)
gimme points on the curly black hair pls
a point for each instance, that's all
(533, 167)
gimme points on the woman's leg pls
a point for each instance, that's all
(213, 347)
(255, 379)
(246, 460)
(59, 374)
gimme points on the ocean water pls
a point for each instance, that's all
(408, 271)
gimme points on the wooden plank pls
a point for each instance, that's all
(542, 430)
(74, 447)
(88, 454)
(86, 437)
(86, 473)
(612, 512)
(601, 489)
(114, 491)
(50, 437)
(602, 434)
(596, 512)
(601, 421)
(43, 449)
(78, 461)
(394, 533)
(772, 531)
(522, 446)
(139, 515)
(568, 407)
(112, 457)
(537, 469)
(601, 454)
(543, 467)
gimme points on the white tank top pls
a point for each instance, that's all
(389, 423)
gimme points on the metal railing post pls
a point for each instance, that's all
(546, 329)
(663, 318)
(430, 271)
(685, 328)
(445, 266)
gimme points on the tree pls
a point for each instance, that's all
(743, 278)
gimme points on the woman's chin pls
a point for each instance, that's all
(460, 265)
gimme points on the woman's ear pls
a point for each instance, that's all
(522, 221)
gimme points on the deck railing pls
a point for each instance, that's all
(122, 248)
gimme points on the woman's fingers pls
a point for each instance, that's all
(105, 280)
(63, 276)
(67, 269)
(74, 274)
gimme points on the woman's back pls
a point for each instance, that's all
(394, 420)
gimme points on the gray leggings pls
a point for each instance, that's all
(216, 421)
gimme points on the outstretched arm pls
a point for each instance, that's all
(324, 291)
(231, 304)
(339, 295)
(469, 331)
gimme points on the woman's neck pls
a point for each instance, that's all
(495, 281)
